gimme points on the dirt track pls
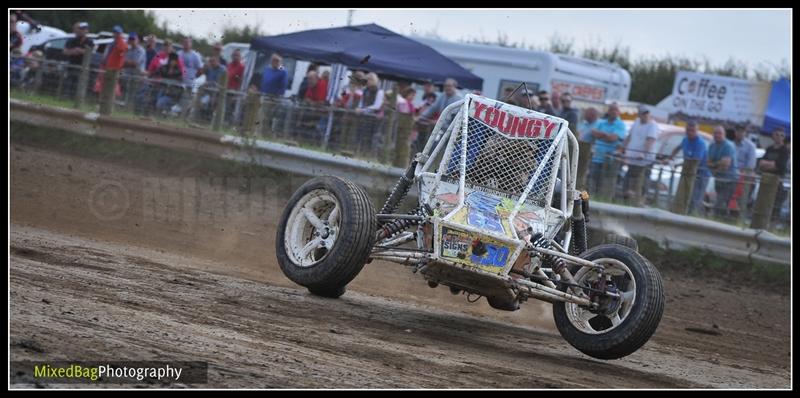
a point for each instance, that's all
(147, 260)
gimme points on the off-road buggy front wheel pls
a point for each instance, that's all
(621, 326)
(325, 235)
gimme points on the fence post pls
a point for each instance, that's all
(390, 120)
(584, 156)
(219, 113)
(401, 147)
(252, 107)
(683, 196)
(83, 79)
(765, 201)
(637, 184)
(108, 95)
(37, 77)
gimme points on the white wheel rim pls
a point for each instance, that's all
(580, 317)
(312, 228)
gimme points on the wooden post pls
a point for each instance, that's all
(765, 201)
(405, 122)
(636, 185)
(83, 79)
(219, 113)
(584, 157)
(683, 196)
(37, 77)
(390, 118)
(251, 109)
(108, 95)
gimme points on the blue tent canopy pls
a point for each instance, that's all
(778, 108)
(372, 48)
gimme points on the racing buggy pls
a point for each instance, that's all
(497, 216)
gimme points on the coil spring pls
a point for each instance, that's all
(578, 244)
(390, 229)
(556, 263)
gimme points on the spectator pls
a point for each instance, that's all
(150, 49)
(135, 58)
(775, 161)
(301, 92)
(235, 71)
(693, 147)
(171, 77)
(638, 150)
(450, 96)
(746, 163)
(556, 101)
(722, 163)
(507, 94)
(162, 58)
(405, 102)
(316, 88)
(351, 95)
(192, 62)
(372, 99)
(78, 45)
(14, 37)
(428, 89)
(274, 79)
(567, 112)
(590, 120)
(216, 51)
(213, 71)
(20, 15)
(16, 67)
(427, 101)
(73, 52)
(544, 103)
(608, 135)
(114, 58)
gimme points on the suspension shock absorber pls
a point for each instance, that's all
(578, 221)
(400, 189)
(399, 225)
(556, 263)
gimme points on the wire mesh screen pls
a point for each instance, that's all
(495, 161)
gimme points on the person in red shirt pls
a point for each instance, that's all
(235, 71)
(115, 58)
(162, 58)
(317, 90)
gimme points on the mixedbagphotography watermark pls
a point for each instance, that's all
(192, 200)
(119, 372)
(109, 200)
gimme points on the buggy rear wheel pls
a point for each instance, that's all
(325, 235)
(622, 324)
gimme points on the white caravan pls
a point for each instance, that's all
(502, 67)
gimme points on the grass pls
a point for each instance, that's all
(705, 263)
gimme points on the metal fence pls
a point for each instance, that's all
(740, 197)
(387, 137)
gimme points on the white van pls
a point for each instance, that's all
(502, 67)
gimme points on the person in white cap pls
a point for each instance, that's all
(638, 150)
(73, 52)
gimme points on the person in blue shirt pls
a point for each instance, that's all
(693, 147)
(722, 163)
(274, 79)
(607, 136)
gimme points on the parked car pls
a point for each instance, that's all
(53, 49)
(31, 38)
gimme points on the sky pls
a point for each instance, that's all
(756, 37)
